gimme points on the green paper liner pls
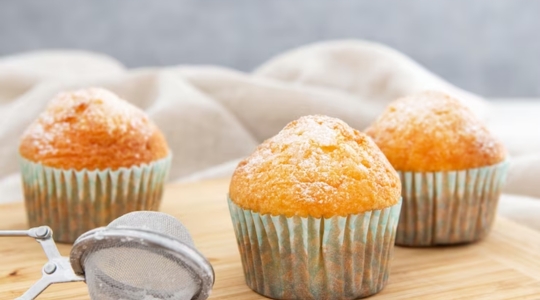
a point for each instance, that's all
(443, 208)
(73, 202)
(316, 258)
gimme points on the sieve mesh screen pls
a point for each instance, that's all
(128, 270)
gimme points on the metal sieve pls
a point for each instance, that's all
(141, 255)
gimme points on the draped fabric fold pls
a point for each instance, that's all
(214, 116)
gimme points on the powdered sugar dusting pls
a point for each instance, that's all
(316, 191)
(296, 140)
(316, 166)
(308, 130)
(430, 118)
(430, 129)
(84, 110)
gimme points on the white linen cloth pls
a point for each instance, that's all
(213, 116)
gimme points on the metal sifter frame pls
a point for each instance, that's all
(145, 239)
(60, 269)
(56, 270)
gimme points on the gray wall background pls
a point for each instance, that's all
(490, 47)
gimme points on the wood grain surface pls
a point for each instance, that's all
(504, 266)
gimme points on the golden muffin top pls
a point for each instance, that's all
(316, 166)
(431, 132)
(92, 129)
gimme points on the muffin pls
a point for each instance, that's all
(89, 158)
(452, 169)
(315, 209)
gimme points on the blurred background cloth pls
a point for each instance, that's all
(487, 47)
(214, 116)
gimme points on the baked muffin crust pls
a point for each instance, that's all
(92, 129)
(431, 132)
(316, 166)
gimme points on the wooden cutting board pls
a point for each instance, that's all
(504, 266)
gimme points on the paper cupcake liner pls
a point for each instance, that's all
(441, 208)
(73, 202)
(316, 258)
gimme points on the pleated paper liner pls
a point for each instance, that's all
(443, 208)
(316, 258)
(73, 202)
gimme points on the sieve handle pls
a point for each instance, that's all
(15, 233)
(56, 270)
(42, 234)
